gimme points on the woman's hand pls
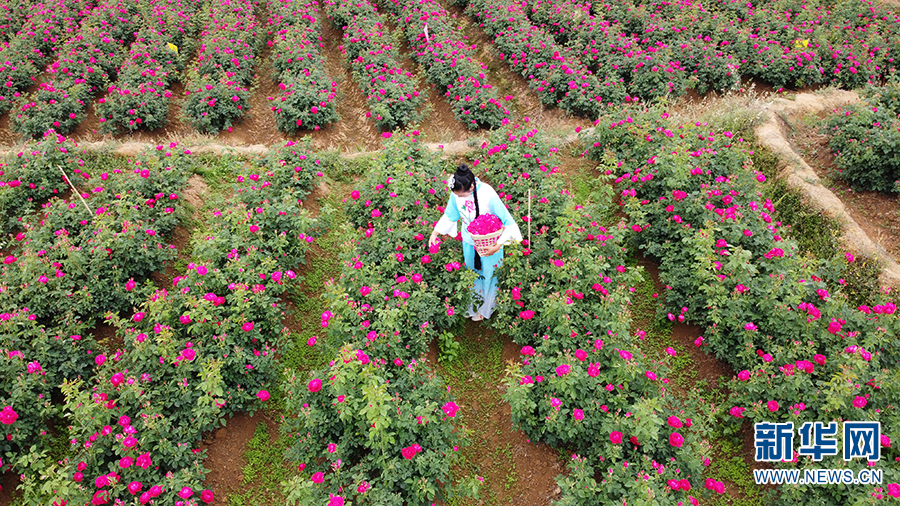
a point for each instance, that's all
(493, 249)
(433, 240)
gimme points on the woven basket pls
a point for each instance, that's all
(483, 242)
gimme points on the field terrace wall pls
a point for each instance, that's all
(391, 92)
(448, 62)
(552, 70)
(308, 93)
(780, 318)
(141, 96)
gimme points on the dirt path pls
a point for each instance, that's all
(225, 459)
(516, 471)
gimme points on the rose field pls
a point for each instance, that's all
(217, 288)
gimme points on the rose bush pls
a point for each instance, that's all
(393, 297)
(391, 92)
(308, 92)
(863, 138)
(776, 315)
(36, 360)
(407, 430)
(73, 263)
(32, 175)
(140, 96)
(553, 71)
(448, 62)
(192, 354)
(287, 170)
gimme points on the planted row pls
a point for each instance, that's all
(553, 71)
(382, 420)
(778, 317)
(308, 93)
(217, 83)
(85, 64)
(448, 62)
(583, 381)
(864, 139)
(390, 91)
(190, 357)
(140, 97)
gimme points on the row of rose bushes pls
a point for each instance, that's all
(307, 100)
(583, 384)
(217, 84)
(64, 268)
(80, 259)
(448, 62)
(141, 94)
(552, 70)
(31, 176)
(376, 426)
(85, 63)
(391, 92)
(707, 46)
(29, 43)
(779, 317)
(650, 68)
(189, 359)
(864, 138)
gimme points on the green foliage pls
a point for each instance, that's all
(865, 139)
(382, 429)
(449, 348)
(32, 175)
(372, 54)
(308, 93)
(59, 105)
(780, 318)
(215, 104)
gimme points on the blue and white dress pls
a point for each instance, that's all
(489, 202)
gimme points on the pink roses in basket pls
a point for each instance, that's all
(485, 224)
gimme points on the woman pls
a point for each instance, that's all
(470, 198)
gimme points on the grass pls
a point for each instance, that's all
(728, 465)
(473, 378)
(264, 471)
(659, 332)
(308, 297)
(817, 234)
(218, 170)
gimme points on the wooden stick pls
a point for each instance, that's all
(66, 177)
(529, 218)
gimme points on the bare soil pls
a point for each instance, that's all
(225, 447)
(8, 488)
(481, 408)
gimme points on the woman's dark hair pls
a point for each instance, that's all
(463, 180)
